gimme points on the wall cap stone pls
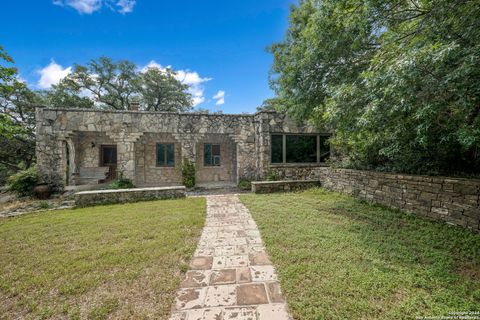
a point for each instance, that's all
(283, 182)
(179, 188)
(249, 115)
(399, 175)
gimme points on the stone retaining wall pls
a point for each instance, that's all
(87, 198)
(279, 186)
(453, 200)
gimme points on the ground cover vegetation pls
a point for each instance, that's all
(340, 258)
(116, 261)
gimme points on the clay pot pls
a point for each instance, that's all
(42, 191)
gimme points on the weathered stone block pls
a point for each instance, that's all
(87, 198)
(285, 185)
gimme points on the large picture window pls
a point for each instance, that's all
(296, 148)
(277, 148)
(165, 155)
(211, 154)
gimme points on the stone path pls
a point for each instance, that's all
(230, 275)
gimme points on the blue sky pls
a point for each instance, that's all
(219, 45)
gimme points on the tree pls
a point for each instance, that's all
(402, 92)
(64, 95)
(17, 120)
(161, 91)
(328, 43)
(106, 84)
(274, 104)
(110, 84)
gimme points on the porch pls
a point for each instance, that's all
(148, 159)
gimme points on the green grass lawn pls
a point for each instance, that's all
(339, 258)
(117, 261)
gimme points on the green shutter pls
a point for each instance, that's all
(207, 154)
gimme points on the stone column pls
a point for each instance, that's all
(188, 144)
(126, 152)
(72, 168)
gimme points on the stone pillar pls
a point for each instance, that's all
(126, 152)
(72, 170)
(188, 144)
(126, 159)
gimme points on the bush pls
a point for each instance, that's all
(244, 184)
(122, 183)
(188, 173)
(44, 205)
(272, 176)
(23, 182)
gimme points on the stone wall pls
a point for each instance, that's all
(295, 171)
(282, 186)
(87, 146)
(226, 170)
(274, 123)
(455, 201)
(88, 198)
(146, 170)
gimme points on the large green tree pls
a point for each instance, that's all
(397, 80)
(17, 120)
(159, 90)
(106, 84)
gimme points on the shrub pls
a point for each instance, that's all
(122, 183)
(244, 184)
(188, 173)
(44, 205)
(23, 182)
(272, 176)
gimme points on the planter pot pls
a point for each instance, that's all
(42, 191)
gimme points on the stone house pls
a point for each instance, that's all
(91, 146)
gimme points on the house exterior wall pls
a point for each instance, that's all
(226, 170)
(88, 155)
(244, 139)
(146, 169)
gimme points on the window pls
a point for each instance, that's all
(108, 155)
(277, 148)
(165, 155)
(301, 149)
(324, 148)
(296, 148)
(211, 154)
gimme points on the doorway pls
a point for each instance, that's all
(108, 158)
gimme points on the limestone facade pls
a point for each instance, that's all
(71, 139)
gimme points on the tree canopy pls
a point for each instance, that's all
(397, 81)
(17, 119)
(106, 84)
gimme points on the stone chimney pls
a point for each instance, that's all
(134, 105)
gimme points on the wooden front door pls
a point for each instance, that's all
(108, 158)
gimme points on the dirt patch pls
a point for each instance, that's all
(470, 271)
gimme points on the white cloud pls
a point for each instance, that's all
(220, 97)
(190, 78)
(52, 74)
(152, 64)
(90, 6)
(82, 6)
(126, 6)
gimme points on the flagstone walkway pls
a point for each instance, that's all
(230, 275)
